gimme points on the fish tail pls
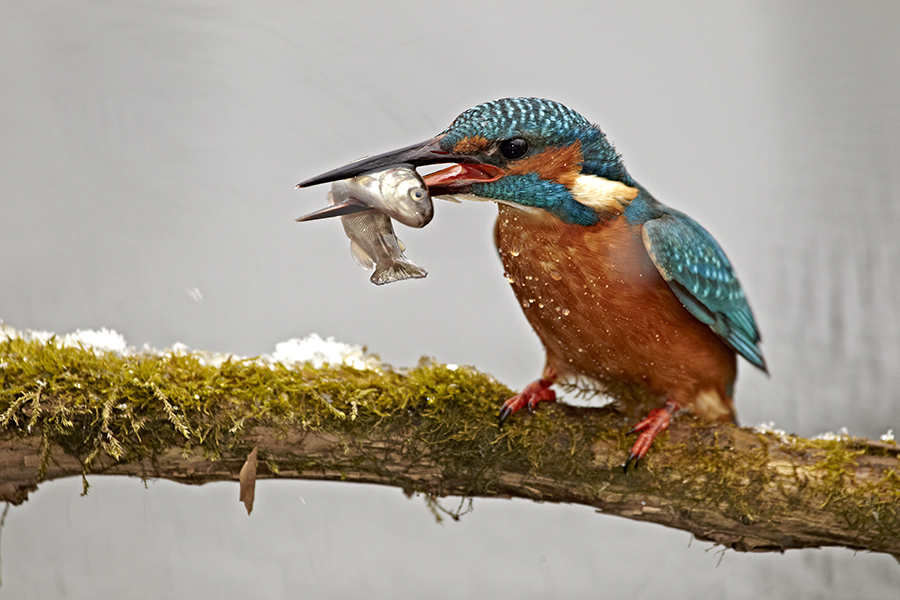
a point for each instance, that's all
(402, 268)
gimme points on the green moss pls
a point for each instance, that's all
(718, 474)
(102, 407)
(872, 507)
(712, 472)
(132, 408)
(97, 406)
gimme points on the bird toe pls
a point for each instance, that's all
(534, 392)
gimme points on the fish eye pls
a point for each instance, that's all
(513, 148)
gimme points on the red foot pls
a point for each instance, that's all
(534, 392)
(655, 423)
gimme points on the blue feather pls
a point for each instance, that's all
(509, 117)
(700, 275)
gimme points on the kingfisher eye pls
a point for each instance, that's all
(513, 148)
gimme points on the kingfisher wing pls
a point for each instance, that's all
(698, 272)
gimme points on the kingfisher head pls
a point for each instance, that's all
(527, 152)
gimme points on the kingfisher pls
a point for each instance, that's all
(623, 291)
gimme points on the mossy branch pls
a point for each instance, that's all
(69, 411)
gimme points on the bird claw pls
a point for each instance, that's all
(655, 423)
(534, 392)
(633, 459)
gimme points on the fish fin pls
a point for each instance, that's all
(401, 269)
(361, 257)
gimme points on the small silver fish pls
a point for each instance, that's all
(373, 242)
(399, 192)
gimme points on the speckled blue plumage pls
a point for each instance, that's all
(700, 275)
(509, 117)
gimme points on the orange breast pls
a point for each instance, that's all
(602, 310)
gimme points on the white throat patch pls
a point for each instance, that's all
(602, 194)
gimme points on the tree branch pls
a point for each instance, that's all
(69, 411)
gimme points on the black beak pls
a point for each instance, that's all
(455, 179)
(417, 155)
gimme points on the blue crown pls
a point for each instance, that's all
(511, 117)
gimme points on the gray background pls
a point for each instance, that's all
(148, 149)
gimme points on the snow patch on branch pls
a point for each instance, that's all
(318, 352)
(311, 350)
(842, 434)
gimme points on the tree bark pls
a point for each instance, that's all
(433, 430)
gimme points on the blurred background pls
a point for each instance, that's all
(148, 155)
